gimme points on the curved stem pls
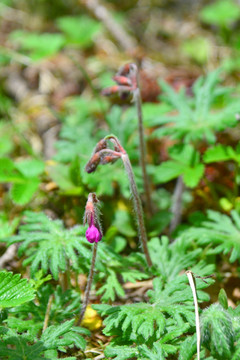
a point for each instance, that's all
(89, 284)
(137, 207)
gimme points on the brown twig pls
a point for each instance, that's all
(8, 255)
(47, 314)
(176, 208)
(116, 30)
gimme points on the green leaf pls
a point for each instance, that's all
(197, 48)
(22, 193)
(188, 348)
(171, 259)
(7, 171)
(211, 110)
(186, 162)
(220, 231)
(142, 322)
(18, 347)
(80, 30)
(167, 171)
(216, 332)
(152, 112)
(55, 337)
(48, 245)
(38, 45)
(120, 352)
(192, 176)
(7, 228)
(221, 13)
(220, 153)
(111, 286)
(30, 168)
(222, 298)
(14, 291)
(6, 144)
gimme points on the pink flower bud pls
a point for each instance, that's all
(93, 234)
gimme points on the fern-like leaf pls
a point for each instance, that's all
(195, 119)
(220, 230)
(217, 332)
(49, 246)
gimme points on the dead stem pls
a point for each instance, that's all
(47, 315)
(116, 30)
(191, 280)
(176, 208)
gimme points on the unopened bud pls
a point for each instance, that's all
(122, 80)
(93, 163)
(93, 233)
(109, 159)
(110, 90)
(102, 144)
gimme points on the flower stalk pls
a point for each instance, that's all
(127, 80)
(137, 207)
(93, 235)
(107, 156)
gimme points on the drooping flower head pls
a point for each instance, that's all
(91, 216)
(126, 79)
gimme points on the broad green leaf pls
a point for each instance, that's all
(192, 175)
(8, 172)
(14, 291)
(22, 193)
(221, 13)
(80, 30)
(220, 153)
(30, 168)
(38, 45)
(167, 171)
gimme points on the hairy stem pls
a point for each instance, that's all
(137, 207)
(89, 284)
(142, 148)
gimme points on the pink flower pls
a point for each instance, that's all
(93, 234)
